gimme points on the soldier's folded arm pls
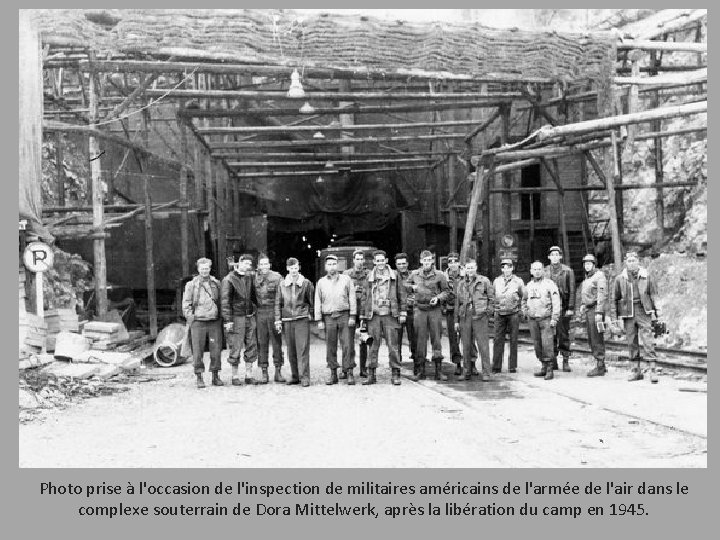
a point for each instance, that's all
(226, 300)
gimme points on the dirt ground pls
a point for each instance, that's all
(514, 421)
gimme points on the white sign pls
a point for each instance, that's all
(38, 257)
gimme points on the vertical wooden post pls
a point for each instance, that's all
(532, 227)
(475, 198)
(211, 207)
(100, 263)
(452, 245)
(614, 228)
(633, 93)
(221, 219)
(507, 176)
(619, 204)
(489, 181)
(659, 172)
(198, 174)
(59, 169)
(561, 209)
(149, 239)
(235, 204)
(184, 257)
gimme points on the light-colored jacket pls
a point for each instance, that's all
(201, 299)
(594, 291)
(541, 299)
(508, 294)
(333, 295)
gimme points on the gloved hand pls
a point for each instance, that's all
(553, 323)
(229, 326)
(351, 322)
(402, 319)
(321, 325)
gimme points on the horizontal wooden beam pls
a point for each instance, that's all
(667, 80)
(336, 96)
(309, 71)
(671, 46)
(337, 163)
(310, 156)
(350, 109)
(264, 130)
(334, 142)
(325, 172)
(666, 185)
(674, 25)
(612, 122)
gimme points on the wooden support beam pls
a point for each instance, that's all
(334, 142)
(674, 25)
(336, 163)
(184, 229)
(554, 173)
(309, 71)
(59, 169)
(475, 198)
(121, 107)
(667, 80)
(452, 217)
(594, 187)
(486, 217)
(483, 126)
(323, 156)
(221, 219)
(506, 214)
(614, 229)
(265, 130)
(328, 172)
(670, 46)
(317, 96)
(99, 260)
(150, 262)
(246, 110)
(612, 122)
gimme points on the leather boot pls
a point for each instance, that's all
(395, 378)
(474, 368)
(554, 364)
(363, 368)
(458, 369)
(264, 378)
(599, 370)
(216, 379)
(542, 371)
(468, 372)
(636, 374)
(343, 375)
(350, 377)
(549, 372)
(333, 377)
(278, 376)
(421, 371)
(371, 377)
(653, 377)
(200, 383)
(566, 364)
(439, 375)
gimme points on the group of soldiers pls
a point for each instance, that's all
(382, 303)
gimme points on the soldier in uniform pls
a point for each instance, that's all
(593, 293)
(541, 305)
(452, 274)
(294, 309)
(401, 266)
(200, 308)
(266, 286)
(335, 311)
(383, 307)
(239, 303)
(431, 290)
(632, 298)
(358, 273)
(474, 304)
(564, 278)
(509, 291)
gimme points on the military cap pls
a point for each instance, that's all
(555, 248)
(590, 258)
(331, 258)
(506, 261)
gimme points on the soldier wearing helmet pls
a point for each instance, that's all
(593, 296)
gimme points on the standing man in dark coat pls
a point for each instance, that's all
(266, 285)
(593, 295)
(239, 304)
(633, 300)
(564, 278)
(401, 265)
(358, 273)
(200, 307)
(384, 308)
(431, 290)
(293, 313)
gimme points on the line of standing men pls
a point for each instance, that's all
(258, 307)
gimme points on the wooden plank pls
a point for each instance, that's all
(121, 107)
(671, 46)
(483, 126)
(309, 143)
(614, 229)
(667, 80)
(184, 257)
(475, 198)
(325, 172)
(323, 163)
(506, 216)
(452, 217)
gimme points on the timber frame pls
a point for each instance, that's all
(235, 125)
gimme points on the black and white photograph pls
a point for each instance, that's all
(362, 238)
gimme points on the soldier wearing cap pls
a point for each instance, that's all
(452, 274)
(509, 290)
(267, 282)
(384, 308)
(358, 274)
(335, 311)
(431, 290)
(593, 295)
(541, 305)
(564, 278)
(474, 304)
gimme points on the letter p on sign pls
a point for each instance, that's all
(38, 257)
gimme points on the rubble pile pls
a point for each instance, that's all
(65, 283)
